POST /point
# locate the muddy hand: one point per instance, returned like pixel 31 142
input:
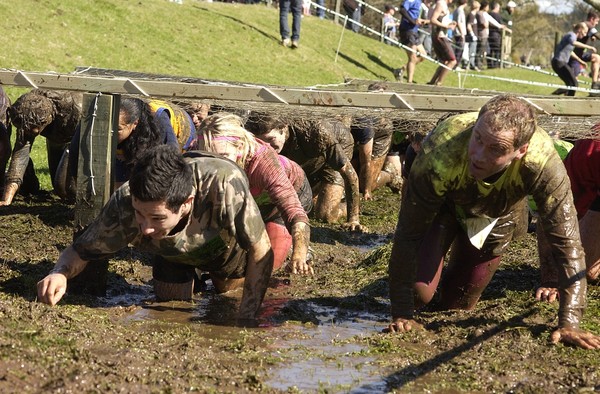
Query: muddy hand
pixel 576 337
pixel 302 267
pixel 547 294
pixel 355 226
pixel 402 325
pixel 52 288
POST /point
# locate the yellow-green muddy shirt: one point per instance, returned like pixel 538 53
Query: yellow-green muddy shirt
pixel 440 176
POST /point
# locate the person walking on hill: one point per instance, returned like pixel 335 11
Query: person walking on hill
pixel 409 37
pixel 284 8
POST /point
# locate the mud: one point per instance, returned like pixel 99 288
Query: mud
pixel 316 334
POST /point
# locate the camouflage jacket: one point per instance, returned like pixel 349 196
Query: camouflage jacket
pixel 224 215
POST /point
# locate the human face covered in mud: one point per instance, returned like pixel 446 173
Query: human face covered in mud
pixel 499 136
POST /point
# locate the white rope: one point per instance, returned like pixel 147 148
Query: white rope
pixel 91 144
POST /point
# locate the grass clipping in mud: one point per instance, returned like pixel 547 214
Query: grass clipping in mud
pixel 82 345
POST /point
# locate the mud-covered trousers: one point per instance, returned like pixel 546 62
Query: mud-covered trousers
pixel 469 270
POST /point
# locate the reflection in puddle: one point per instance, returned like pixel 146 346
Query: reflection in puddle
pixel 318 357
pixel 319 361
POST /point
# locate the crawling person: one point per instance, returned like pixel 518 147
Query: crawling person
pixel 278 185
pixel 51 114
pixel 583 167
pixel 372 138
pixel 190 212
pixel 143 125
pixel 5 131
pixel 323 148
pixel 466 192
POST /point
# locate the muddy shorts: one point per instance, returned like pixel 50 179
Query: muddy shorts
pixel 234 266
pixel 326 175
pixel 443 49
pixel 409 38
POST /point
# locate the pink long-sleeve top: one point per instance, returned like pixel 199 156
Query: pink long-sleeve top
pixel 271 183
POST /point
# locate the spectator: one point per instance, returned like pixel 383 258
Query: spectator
pixel 466 191
pixel 354 9
pixel 564 51
pixel 425 35
pixel 190 213
pixel 390 24
pixel 51 114
pixel 440 41
pixel 284 9
pixel 507 20
pixel 460 32
pixel 472 34
pixel 495 35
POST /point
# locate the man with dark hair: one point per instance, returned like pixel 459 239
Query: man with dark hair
pixel 409 37
pixel 466 190
pixel 192 213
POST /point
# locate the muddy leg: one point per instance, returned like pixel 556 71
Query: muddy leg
pixel 327 207
pixel 4 153
pixel 225 285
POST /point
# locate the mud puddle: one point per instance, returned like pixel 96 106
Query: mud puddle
pixel 327 356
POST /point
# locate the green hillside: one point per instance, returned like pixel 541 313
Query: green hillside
pixel 225 41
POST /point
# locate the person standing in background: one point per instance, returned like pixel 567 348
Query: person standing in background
pixel 284 8
pixel 472 34
pixel 460 32
pixel 507 20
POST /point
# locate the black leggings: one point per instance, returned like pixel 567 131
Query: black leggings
pixel 565 72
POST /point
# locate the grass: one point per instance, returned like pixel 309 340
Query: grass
pixel 223 41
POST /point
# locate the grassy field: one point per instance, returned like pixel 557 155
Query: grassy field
pixel 318 334
pixel 224 41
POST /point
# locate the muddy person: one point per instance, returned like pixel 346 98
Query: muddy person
pixel 192 213
pixel 5 131
pixel 143 124
pixel 583 167
pixel 51 114
pixel 466 192
pixel 278 185
pixel 323 148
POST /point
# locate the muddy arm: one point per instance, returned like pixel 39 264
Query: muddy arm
pixel 52 288
pixel 16 170
pixel 300 240
pixel 258 272
pixel 352 195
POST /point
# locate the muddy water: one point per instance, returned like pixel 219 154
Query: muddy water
pixel 319 358
pixel 313 356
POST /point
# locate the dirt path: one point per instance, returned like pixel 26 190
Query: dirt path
pixel 317 334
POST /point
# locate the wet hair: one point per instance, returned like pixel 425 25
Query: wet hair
pixel 146 134
pixel 377 86
pixel 509 113
pixel 231 127
pixel 161 174
pixel 32 109
pixel 260 123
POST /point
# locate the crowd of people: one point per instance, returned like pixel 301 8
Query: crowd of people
pixel 211 193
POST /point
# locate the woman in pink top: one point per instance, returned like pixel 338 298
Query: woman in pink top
pixel 278 190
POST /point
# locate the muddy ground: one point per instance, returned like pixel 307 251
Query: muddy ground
pixel 316 334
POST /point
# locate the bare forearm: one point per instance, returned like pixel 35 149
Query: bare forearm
pixel 258 272
pixel 69 263
pixel 352 192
